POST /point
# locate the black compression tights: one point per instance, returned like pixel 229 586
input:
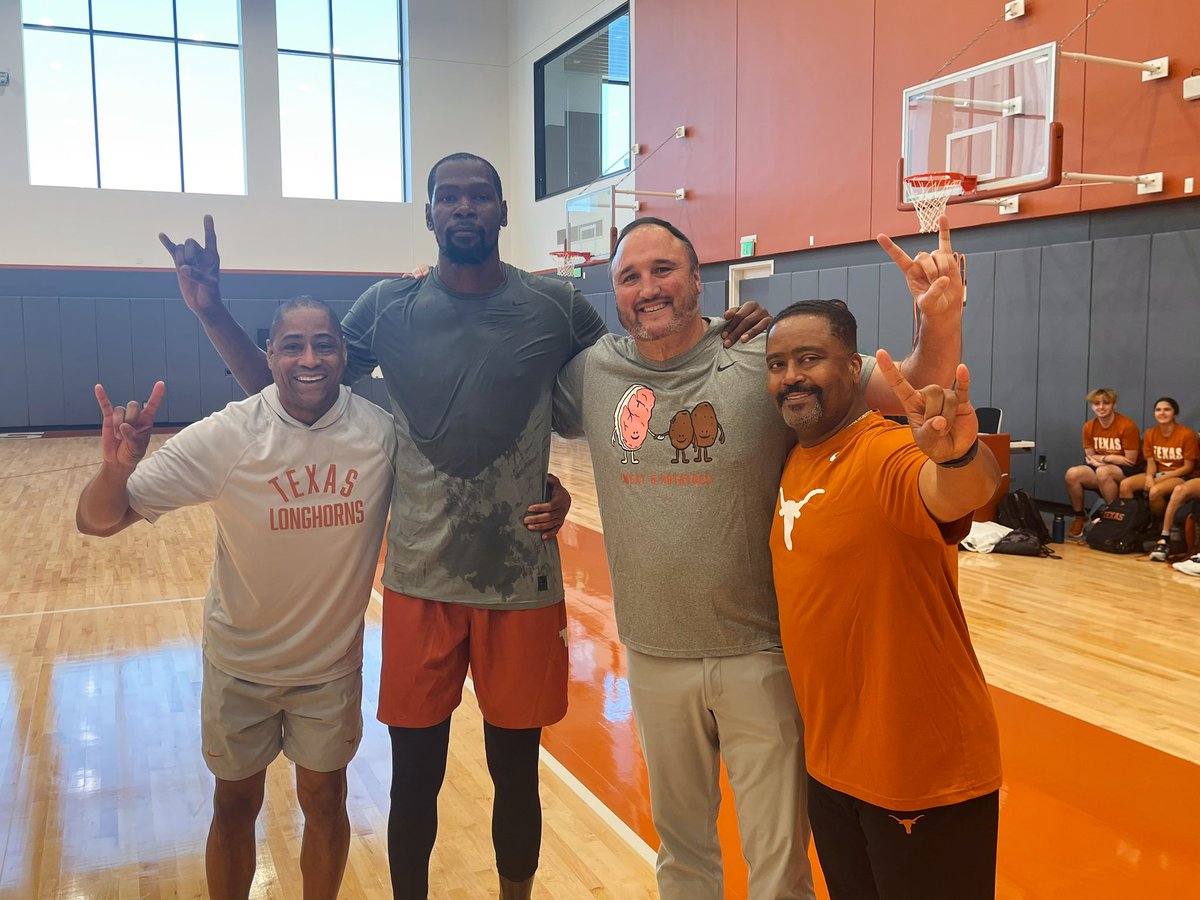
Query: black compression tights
pixel 418 768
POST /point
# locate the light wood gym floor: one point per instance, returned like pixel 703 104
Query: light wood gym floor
pixel 1094 662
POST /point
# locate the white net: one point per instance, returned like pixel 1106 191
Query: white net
pixel 929 194
pixel 567 263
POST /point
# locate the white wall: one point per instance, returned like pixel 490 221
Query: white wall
pixel 535 27
pixel 457 86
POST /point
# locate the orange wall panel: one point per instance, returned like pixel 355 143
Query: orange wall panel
pixel 794 108
pixel 684 74
pixel 804 122
pixel 1132 127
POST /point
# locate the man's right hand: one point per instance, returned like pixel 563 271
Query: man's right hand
pixel 198 269
pixel 125 433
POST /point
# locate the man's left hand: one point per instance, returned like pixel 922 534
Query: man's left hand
pixel 744 322
pixel 548 517
pixel 943 421
pixel 934 279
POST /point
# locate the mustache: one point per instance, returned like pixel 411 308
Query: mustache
pixel 796 389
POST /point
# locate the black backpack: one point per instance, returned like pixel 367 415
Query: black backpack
pixel 1120 526
pixel 1023 542
pixel 1017 510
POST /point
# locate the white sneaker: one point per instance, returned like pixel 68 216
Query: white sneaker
pixel 1189 566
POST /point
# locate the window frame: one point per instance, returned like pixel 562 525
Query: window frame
pixel 91 32
pixel 539 105
pixel 333 57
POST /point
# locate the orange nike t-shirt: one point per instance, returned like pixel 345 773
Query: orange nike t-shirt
pixel 1169 453
pixel 1119 436
pixel 896 711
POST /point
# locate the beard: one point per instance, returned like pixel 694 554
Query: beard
pixel 682 314
pixel 472 254
pixel 803 420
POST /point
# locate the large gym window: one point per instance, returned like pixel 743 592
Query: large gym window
pixel 135 94
pixel 341 121
pixel 581 108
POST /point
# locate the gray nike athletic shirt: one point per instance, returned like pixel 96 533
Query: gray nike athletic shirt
pixel 470 379
pixel 687 454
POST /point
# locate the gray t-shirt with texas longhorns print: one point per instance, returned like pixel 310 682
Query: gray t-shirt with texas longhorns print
pixel 687 454
pixel 470 379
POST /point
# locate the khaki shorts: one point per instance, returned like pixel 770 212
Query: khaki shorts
pixel 244 725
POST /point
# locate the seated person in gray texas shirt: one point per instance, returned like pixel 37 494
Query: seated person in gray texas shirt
pixel 687 448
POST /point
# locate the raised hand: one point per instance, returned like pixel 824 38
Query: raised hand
pixel 125 432
pixel 548 517
pixel 944 424
pixel 934 279
pixel 745 322
pixel 197 268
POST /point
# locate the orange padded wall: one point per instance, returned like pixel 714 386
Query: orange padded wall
pixel 687 48
pixel 800 66
pixel 1131 127
pixel 794 108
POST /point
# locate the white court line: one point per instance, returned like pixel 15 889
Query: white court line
pixel 106 608
pixel 610 818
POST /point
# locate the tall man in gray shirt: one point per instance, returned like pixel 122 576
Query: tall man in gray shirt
pixel 687 448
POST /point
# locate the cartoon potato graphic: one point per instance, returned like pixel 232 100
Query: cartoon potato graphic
pixel 631 421
pixel 708 430
pixel 681 434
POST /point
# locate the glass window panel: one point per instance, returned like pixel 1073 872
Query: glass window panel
pixel 614 138
pixel 136 114
pixel 305 126
pixel 58 109
pixel 583 93
pixel 63 13
pixel 302 25
pixel 210 97
pixel 369 138
pixel 134 16
pixel 208 20
pixel 366 28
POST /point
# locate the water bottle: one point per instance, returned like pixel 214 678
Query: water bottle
pixel 1058 531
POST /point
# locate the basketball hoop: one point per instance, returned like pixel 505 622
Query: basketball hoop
pixel 566 261
pixel 931 191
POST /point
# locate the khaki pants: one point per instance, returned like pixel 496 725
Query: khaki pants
pixel 690 713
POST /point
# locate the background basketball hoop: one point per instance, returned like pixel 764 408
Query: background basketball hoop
pixel 567 261
pixel 929 193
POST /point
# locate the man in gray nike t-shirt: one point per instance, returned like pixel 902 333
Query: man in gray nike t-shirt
pixel 687 448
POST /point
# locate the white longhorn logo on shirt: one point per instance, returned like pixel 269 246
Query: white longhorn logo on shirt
pixel 790 510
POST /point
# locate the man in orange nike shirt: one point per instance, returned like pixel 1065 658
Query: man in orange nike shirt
pixel 900 738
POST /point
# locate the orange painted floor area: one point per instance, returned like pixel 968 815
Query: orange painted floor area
pixel 1083 812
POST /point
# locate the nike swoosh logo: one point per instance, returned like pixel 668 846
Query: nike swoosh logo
pixel 724 367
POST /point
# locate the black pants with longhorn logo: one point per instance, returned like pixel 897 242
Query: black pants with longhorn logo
pixel 871 853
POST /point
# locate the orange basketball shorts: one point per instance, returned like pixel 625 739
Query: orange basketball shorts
pixel 517 658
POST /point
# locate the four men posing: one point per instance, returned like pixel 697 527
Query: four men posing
pixel 470 354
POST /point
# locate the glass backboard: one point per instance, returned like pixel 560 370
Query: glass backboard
pixel 995 121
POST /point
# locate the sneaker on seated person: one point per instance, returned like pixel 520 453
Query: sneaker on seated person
pixel 1189 566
